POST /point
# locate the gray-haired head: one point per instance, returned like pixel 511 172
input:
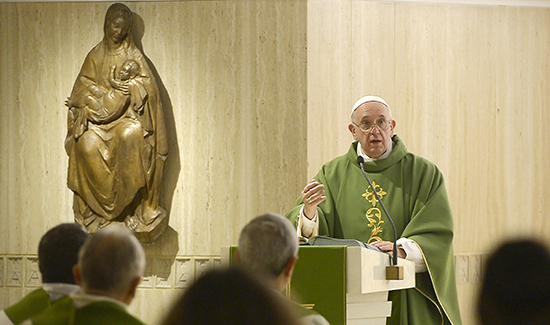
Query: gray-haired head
pixel 110 260
pixel 266 245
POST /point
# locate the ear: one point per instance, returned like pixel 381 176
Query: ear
pixel 289 268
pixel 392 127
pixel 77 275
pixel 132 290
pixel 353 131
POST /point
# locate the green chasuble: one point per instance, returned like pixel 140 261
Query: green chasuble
pixel 98 312
pixel 413 191
pixel 32 304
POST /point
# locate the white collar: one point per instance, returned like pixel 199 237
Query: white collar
pixel 58 290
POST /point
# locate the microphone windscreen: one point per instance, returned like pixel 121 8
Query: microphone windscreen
pixel 360 160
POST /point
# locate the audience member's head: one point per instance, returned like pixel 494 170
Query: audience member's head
pixel 111 263
pixel 516 285
pixel 268 247
pixel 58 252
pixel 230 297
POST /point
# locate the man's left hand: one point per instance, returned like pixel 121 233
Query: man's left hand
pixel 387 246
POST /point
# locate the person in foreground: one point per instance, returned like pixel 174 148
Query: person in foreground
pixel 230 297
pixel 57 254
pixel 110 265
pixel 339 203
pixel 268 248
pixel 516 285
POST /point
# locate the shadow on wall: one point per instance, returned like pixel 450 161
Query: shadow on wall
pixel 166 245
pixel 172 164
pixel 161 256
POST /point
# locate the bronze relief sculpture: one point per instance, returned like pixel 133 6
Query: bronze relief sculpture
pixel 116 139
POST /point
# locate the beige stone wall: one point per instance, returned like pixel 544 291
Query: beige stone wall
pixel 259 96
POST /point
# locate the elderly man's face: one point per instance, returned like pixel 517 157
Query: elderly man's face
pixel 375 141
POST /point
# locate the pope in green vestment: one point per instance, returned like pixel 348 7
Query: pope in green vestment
pixel 413 191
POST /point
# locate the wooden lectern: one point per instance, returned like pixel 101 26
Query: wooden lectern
pixel 345 284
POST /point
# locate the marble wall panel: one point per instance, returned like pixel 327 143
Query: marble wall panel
pixel 329 80
pixel 148 278
pixel 185 272
pixel 32 273
pixel 14 272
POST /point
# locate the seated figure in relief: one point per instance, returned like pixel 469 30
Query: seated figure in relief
pixel 116 135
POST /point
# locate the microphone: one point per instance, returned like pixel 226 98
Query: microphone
pixel 393 272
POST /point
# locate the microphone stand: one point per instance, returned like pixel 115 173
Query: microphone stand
pixel 394 271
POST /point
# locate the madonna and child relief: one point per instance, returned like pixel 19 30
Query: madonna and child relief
pixel 116 135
